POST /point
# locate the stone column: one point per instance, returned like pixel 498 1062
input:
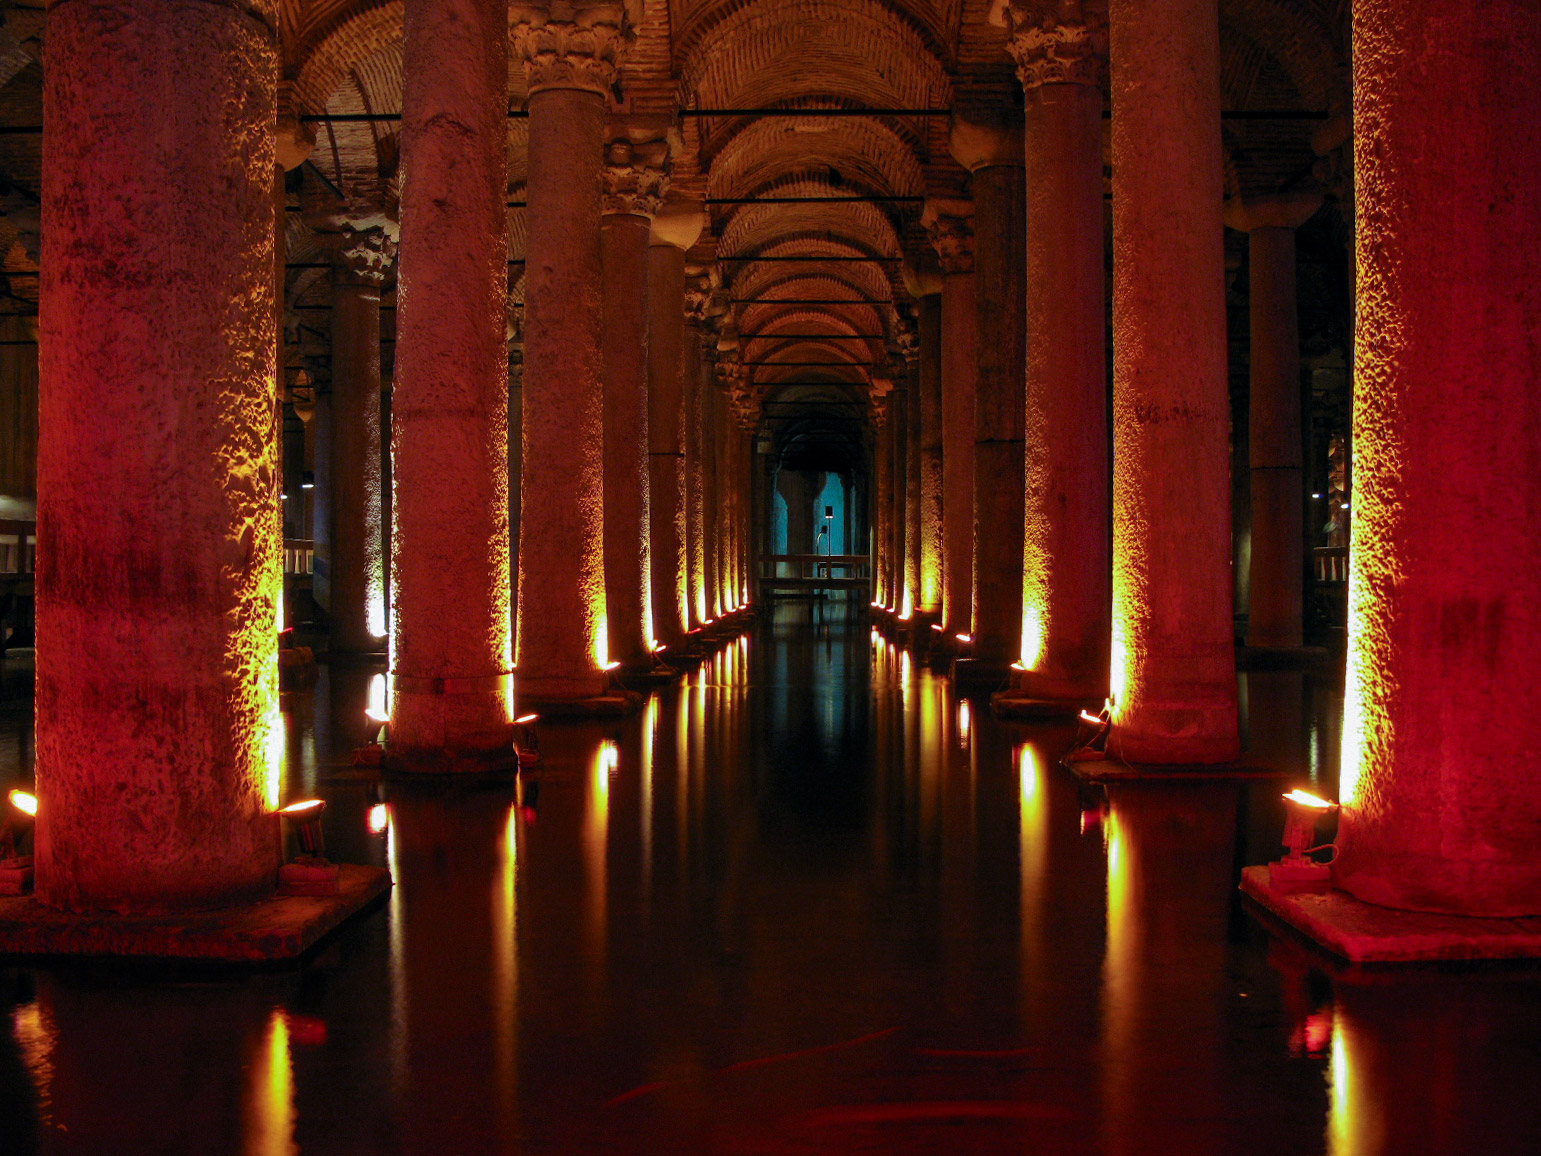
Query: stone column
pixel 950 226
pixel 1065 564
pixel 912 512
pixel 451 649
pixel 930 457
pixel 991 149
pixel 635 176
pixel 1441 805
pixel 570 64
pixel 899 425
pixel 1173 666
pixel 709 401
pixel 695 362
pixel 673 233
pixel 1276 578
pixel 883 496
pixel 357 536
pixel 160 544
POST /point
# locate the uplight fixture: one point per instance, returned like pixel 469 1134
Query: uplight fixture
pixel 309 873
pixel 16 868
pixel 527 741
pixel 1297 870
pixel 1091 746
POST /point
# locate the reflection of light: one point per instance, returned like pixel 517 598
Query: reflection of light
pixel 963 721
pixel 24 801
pixel 378 707
pixel 1355 1123
pixel 1306 799
pixel 904 667
pixel 1033 851
pixel 609 756
pixel 596 835
pixel 379 819
pixel 964 637
pixel 270 1110
pixel 505 945
pixel 649 737
pixel 34 1033
pixel 936 626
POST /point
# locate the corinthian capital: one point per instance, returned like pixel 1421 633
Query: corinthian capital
pixel 636 177
pixel 571 45
pixel 950 226
pixel 1056 41
pixel 361 234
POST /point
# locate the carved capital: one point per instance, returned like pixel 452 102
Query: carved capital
pixel 950 227
pixel 361 234
pixel 580 46
pixel 1056 42
pixel 636 177
pixel 293 139
pixel 365 257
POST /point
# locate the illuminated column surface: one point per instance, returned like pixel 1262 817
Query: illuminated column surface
pixel 929 459
pixel 570 70
pixel 950 226
pixel 1065 564
pixel 1276 579
pixel 160 548
pixel 992 151
pixel 1441 802
pixel 899 442
pixel 1173 663
pixel 912 511
pixel 695 368
pixel 364 257
pixel 883 477
pixel 709 401
pixel 673 232
pixel 450 646
pixel 635 177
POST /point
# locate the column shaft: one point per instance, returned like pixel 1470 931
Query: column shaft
pixel 666 443
pixel 357 535
pixel 929 464
pixel 695 368
pixel 1173 673
pixel 710 493
pixel 1441 804
pixel 160 541
pixel 899 419
pixel 882 524
pixel 451 648
pixel 960 327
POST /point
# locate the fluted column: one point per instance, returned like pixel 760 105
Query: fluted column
pixel 451 650
pixel 1441 802
pixel 950 227
pixel 991 149
pixel 160 544
pixel 571 57
pixel 673 233
pixel 356 533
pixel 1173 667
pixel 1276 578
pixel 635 179
pixel 1065 565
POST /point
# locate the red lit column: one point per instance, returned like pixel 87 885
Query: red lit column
pixel 1276 577
pixel 709 402
pixel 992 151
pixel 450 646
pixel 1441 802
pixel 160 547
pixel 570 65
pixel 899 441
pixel 883 469
pixel 1173 665
pixel 929 466
pixel 950 226
pixel 673 233
pixel 912 487
pixel 1065 564
pixel 635 177
pixel 695 362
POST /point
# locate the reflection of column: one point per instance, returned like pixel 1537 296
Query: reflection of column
pixel 950 225
pixel 929 513
pixel 357 535
pixel 992 152
pixel 570 65
pixel 451 651
pixel 635 177
pixel 1065 568
pixel 1444 615
pixel 1173 658
pixel 673 233
pixel 161 566
pixel 1276 575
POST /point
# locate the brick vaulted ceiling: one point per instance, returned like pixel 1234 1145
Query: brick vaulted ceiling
pixel 345 57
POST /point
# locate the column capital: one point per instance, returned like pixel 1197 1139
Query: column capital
pixel 986 136
pixel 1056 41
pixel 949 225
pixel 293 138
pixel 1282 211
pixel 636 177
pixel 568 45
pixel 361 234
pixel 678 225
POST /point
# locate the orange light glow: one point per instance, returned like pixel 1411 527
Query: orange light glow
pixel 378 707
pixel 964 637
pixel 612 665
pixel 379 819
pixel 270 1098
pixel 963 721
pixel 24 801
pixel 303 807
pixel 1018 666
pixel 1087 716
pixel 1306 799
pixel 526 718
pixel 936 626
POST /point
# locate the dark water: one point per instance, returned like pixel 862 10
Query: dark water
pixel 806 902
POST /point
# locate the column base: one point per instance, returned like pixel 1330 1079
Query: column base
pixel 551 701
pixel 647 672
pixel 1118 771
pixel 1017 703
pixel 281 927
pixel 1364 933
pixel 430 761
pixel 980 672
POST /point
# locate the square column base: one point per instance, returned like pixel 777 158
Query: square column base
pixel 1364 933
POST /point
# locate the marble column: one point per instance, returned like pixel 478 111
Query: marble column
pixel 673 232
pixel 1441 805
pixel 160 559
pixel 950 227
pixel 990 147
pixel 1276 574
pixel 363 258
pixel 450 646
pixel 1173 666
pixel 1066 597
pixel 929 461
pixel 635 179
pixel 571 58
